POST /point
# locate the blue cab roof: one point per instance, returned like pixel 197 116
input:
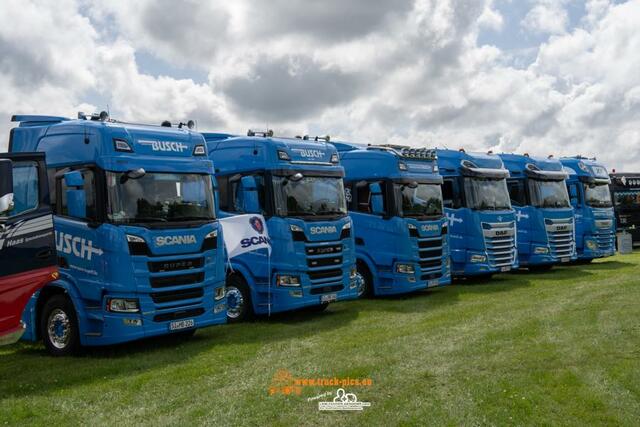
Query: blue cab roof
pixel 451 161
pixel 249 153
pixel 517 164
pixel 587 169
pixel 363 161
pixel 77 141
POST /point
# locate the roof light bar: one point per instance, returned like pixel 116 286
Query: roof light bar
pixel 265 134
pixel 325 138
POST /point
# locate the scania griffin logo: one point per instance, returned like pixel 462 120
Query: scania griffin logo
pixel 175 240
pixel 256 224
pixel 323 230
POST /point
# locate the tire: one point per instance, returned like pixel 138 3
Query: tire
pixel 59 327
pixel 239 305
pixel 367 280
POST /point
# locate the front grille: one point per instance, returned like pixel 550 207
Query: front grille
pixel 325 289
pixel 560 237
pixel 324 250
pixel 179 295
pixel 324 262
pixel 606 240
pixel 181 280
pixel 335 273
pixel 177 315
pixel 500 243
pixel 175 265
pixel 430 252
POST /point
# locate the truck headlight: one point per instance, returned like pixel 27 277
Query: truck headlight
pixel 592 245
pixel 478 258
pixel 405 268
pixel 541 250
pixel 286 280
pixel 123 305
pixel 220 293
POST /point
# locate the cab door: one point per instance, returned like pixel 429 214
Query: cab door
pixel 27 245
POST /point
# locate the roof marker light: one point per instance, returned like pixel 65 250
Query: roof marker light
pixel 199 150
pixel 283 155
pixel 122 145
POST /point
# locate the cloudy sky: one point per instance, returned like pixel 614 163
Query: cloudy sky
pixel 541 76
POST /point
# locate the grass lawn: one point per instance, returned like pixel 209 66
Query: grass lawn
pixel 561 347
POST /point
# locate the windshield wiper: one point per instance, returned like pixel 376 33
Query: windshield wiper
pixel 147 219
pixel 330 213
pixel 191 218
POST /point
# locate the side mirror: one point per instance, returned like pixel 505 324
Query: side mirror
pixel 6 186
pixel 248 195
pixel 76 196
pixel 377 202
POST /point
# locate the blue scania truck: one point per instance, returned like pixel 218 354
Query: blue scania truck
pixel 297 185
pixel 140 251
pixel 482 223
pixel 545 224
pixel 394 197
pixel 590 196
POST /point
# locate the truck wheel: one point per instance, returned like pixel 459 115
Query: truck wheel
pixel 59 326
pixel 366 289
pixel 239 307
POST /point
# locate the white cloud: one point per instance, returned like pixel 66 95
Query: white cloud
pixel 409 73
pixel 547 17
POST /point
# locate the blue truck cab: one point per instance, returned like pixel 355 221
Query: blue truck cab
pixel 482 223
pixel 297 185
pixel 545 224
pixel 590 196
pixel 394 197
pixel 140 251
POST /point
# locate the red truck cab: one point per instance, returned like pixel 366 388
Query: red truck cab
pixel 27 241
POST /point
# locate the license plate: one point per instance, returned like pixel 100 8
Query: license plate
pixel 432 283
pixel 565 259
pixel 505 269
pixel 182 324
pixel 328 298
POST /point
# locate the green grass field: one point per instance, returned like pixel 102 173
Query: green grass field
pixel 561 347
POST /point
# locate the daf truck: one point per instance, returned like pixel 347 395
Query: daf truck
pixel 588 186
pixel 544 216
pixel 482 223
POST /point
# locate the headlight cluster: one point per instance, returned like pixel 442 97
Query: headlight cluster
pixel 285 280
pixel 405 268
pixel 541 250
pixel 478 258
pixel 123 305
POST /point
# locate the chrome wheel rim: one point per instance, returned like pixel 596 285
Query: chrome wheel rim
pixel 59 328
pixel 235 302
pixel 362 285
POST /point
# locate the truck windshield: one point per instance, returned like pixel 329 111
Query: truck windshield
pixel 597 195
pixel 425 200
pixel 159 197
pixel 309 196
pixel 487 194
pixel 548 194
